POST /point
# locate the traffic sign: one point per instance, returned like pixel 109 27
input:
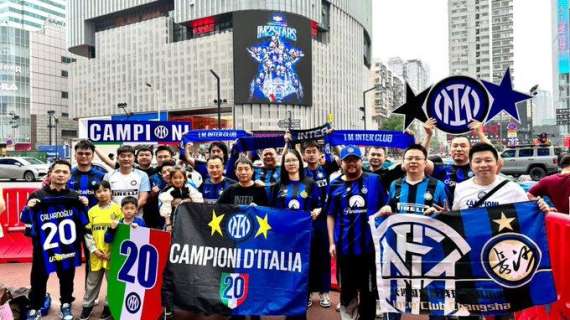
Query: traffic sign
pixel 289 124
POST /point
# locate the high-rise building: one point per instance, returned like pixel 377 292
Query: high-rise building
pixel 561 57
pixel 157 54
pixel 50 65
pixel 34 73
pixel 481 38
pixel 542 113
pixel 31 14
pixel 416 74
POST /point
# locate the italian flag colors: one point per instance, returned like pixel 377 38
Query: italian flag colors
pixel 138 258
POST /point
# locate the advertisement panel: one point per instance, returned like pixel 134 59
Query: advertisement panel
pixel 272 58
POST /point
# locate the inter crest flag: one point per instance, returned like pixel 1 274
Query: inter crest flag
pixel 138 259
pixel 482 261
pixel 239 260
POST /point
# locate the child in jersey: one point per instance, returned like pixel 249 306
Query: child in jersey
pixel 100 218
pixel 179 192
pixel 129 210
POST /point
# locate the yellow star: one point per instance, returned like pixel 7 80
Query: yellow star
pixel 215 223
pixel 263 226
pixel 504 222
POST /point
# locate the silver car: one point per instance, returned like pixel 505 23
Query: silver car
pixel 29 169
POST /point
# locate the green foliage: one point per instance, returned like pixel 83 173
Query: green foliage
pixel 394 122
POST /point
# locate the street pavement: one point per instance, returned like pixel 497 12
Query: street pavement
pixel 18 275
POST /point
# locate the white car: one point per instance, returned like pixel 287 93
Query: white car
pixel 29 169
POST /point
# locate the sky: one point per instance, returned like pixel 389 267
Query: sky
pixel 418 29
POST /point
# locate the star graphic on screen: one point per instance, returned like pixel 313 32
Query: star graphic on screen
pixel 215 223
pixel 412 109
pixel 504 222
pixel 504 97
pixel 264 226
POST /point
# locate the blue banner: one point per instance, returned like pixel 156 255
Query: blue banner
pixel 483 261
pixel 136 131
pixel 239 260
pixel 389 139
pixel 213 135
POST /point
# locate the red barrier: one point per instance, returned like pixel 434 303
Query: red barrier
pixel 14 246
pixel 558 229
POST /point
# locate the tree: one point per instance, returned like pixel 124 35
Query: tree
pixel 394 122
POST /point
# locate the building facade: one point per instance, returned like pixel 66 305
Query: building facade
pixel 561 57
pixel 49 80
pixel 31 14
pixel 481 38
pixel 157 54
pixel 14 86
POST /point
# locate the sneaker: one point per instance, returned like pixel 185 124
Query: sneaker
pixel 325 300
pixel 85 313
pixel 65 312
pixel 33 315
pixel 106 314
pixel 310 302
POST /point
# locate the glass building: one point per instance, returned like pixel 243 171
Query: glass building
pixel 14 85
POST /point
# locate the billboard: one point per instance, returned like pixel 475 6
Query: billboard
pixel 272 58
pixel 563 37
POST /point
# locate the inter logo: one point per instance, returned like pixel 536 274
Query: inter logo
pixel 511 259
pixel 240 227
pixel 133 302
pixel 161 132
pixel 457 101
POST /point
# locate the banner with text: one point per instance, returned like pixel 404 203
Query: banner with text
pixel 242 260
pixel 482 261
pixel 388 139
pixel 138 259
pixel 99 131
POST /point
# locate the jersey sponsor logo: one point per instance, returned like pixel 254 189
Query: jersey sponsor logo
pixel 356 205
pixel 457 101
pixel 425 236
pixel 511 259
pixel 234 289
pixel 125 193
pixel 294 204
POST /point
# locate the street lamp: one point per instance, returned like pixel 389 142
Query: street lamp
pixel 363 109
pixel 50 125
pixel 533 92
pixel 157 98
pixel 123 105
pixel 219 101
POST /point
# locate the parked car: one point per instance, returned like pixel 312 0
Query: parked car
pixel 536 161
pixel 29 169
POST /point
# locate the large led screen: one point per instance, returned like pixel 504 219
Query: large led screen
pixel 272 58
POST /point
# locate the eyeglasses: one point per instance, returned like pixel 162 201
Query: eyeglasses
pixel 414 159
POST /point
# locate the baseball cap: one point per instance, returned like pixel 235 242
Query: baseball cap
pixel 350 150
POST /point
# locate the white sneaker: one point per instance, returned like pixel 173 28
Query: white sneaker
pixel 325 301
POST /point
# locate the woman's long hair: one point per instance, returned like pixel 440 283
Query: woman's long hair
pixel 284 180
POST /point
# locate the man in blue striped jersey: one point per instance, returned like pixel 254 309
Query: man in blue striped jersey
pixel 354 197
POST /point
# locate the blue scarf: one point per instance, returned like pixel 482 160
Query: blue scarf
pixel 310 134
pixel 390 139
